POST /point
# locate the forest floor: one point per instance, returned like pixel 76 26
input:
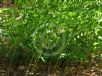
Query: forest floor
pixel 88 68
pixel 74 69
pixel 92 68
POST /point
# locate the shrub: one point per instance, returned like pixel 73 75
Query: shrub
pixel 52 29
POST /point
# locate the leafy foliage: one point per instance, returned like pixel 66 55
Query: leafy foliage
pixel 51 29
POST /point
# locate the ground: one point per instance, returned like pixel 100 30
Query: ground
pixel 93 68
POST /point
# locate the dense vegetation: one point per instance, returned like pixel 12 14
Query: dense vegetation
pixel 51 30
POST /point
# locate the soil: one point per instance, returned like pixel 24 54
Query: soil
pixel 93 68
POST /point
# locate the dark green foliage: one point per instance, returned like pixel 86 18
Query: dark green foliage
pixel 52 29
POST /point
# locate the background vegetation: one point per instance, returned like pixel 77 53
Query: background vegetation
pixel 50 30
